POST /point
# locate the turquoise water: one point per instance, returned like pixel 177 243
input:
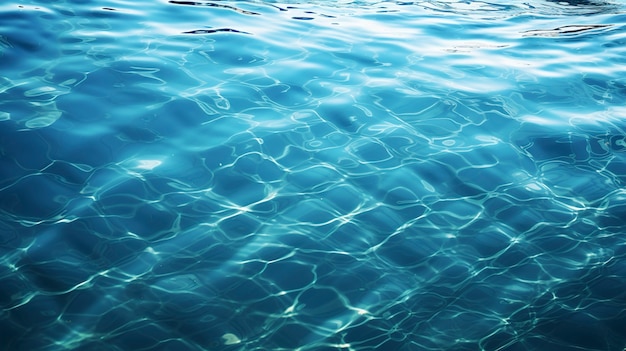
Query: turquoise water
pixel 345 175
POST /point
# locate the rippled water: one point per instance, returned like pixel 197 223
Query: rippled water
pixel 345 175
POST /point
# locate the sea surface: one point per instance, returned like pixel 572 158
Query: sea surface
pixel 312 175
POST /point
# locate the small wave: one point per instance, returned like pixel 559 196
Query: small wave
pixel 569 30
pixel 212 4
pixel 216 30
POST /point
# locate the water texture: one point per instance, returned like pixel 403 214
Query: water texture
pixel 345 175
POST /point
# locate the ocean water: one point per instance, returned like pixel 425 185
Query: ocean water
pixel 312 175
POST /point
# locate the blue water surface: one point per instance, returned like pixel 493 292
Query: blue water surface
pixel 321 175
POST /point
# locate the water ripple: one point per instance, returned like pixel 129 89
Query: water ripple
pixel 362 175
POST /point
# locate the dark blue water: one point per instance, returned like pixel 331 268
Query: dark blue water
pixel 345 175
